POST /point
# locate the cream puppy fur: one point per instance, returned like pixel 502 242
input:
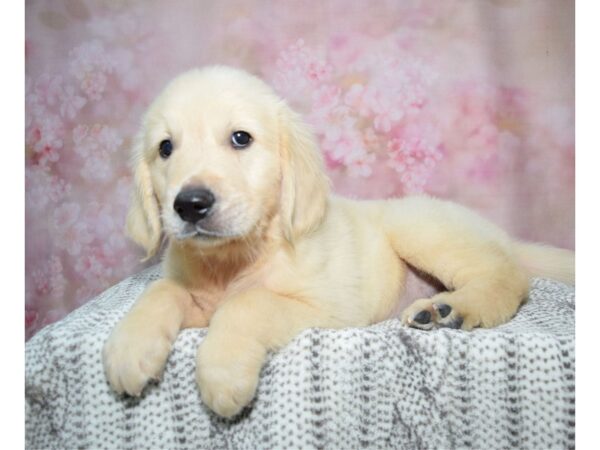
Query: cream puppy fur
pixel 266 251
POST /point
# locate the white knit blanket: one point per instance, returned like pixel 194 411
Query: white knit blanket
pixel 385 386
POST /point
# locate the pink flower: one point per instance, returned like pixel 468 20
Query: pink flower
pixel 387 116
pixel 344 145
pixel 302 59
pixel 360 99
pixel 46 155
pixel 90 63
pixel 93 85
pixel 48 279
pixel 94 144
pixel 97 168
pixel 48 131
pixel 45 136
pixel 96 141
pixel 71 103
pixel 49 88
pixel 326 108
pixel 88 57
pixel 42 189
pixel 299 70
pixel 71 232
pixel 413 154
pixel 94 267
pixel 331 162
pixel 35 104
pixel 109 139
pixel 66 214
pixel 360 164
pixel 341 140
pixel 102 218
pixel 369 100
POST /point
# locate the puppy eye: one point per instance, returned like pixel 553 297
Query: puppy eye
pixel 240 139
pixel 165 148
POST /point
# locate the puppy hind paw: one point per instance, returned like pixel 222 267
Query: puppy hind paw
pixel 427 315
pixel 447 317
pixel 422 320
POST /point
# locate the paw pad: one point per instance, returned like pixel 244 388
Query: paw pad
pixel 437 315
pixel 443 309
pixel 422 317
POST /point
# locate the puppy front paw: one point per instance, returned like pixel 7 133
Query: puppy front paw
pixel 134 354
pixel 228 376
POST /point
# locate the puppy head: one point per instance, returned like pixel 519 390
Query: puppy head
pixel 220 158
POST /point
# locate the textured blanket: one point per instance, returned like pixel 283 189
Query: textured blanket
pixel 385 386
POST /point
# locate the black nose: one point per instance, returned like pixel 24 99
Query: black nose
pixel 193 204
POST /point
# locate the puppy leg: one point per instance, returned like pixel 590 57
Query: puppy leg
pixel 486 303
pixel 138 347
pixel 469 255
pixel 241 332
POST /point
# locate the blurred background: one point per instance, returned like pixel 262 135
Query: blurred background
pixel 470 100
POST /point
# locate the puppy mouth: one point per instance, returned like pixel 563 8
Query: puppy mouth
pixel 213 229
pixel 197 232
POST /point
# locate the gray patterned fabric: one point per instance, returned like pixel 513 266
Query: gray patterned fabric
pixel 385 386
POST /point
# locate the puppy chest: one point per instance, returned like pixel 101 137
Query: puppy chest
pixel 208 299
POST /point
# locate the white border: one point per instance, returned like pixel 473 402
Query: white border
pixel 12 261
pixel 587 220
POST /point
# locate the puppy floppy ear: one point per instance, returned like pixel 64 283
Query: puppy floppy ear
pixel 143 219
pixel 305 187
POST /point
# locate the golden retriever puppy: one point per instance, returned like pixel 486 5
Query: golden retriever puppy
pixel 259 250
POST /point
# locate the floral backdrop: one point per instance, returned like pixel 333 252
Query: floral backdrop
pixel 471 100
